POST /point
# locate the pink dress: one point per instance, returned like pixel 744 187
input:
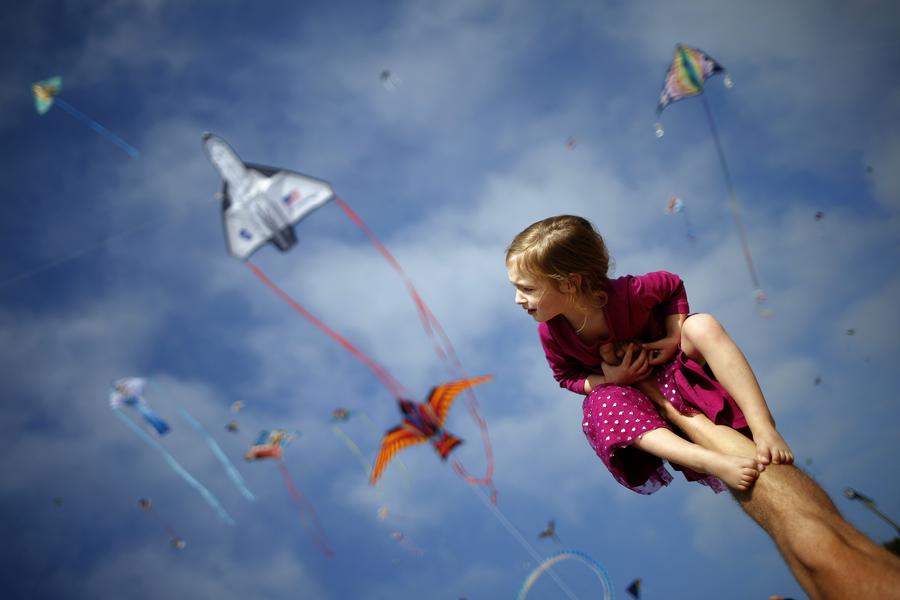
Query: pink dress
pixel 616 416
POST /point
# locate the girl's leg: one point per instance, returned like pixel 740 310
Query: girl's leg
pixel 704 340
pixel 736 471
pixel 829 557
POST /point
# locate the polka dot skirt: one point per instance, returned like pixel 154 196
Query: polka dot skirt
pixel 617 416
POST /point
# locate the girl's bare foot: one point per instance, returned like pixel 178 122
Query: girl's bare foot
pixel 736 471
pixel 771 448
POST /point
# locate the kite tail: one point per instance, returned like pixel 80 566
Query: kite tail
pixel 386 378
pixel 304 504
pixel 227 464
pixel 130 150
pixel 687 222
pixel 153 419
pixel 421 307
pixel 596 567
pixel 443 348
pixel 207 495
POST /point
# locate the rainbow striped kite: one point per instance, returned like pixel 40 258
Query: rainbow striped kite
pixel 688 72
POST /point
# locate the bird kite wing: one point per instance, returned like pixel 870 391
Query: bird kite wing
pixel 441 397
pixel 394 440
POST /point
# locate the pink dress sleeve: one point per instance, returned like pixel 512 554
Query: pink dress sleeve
pixel 568 371
pixel 662 289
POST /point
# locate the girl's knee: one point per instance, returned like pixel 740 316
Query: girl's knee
pixel 700 327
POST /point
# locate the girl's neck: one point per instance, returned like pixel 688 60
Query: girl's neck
pixel 590 324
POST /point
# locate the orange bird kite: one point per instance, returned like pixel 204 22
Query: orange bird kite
pixel 423 422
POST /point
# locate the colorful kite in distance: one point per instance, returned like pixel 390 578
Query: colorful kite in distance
pixel 596 567
pixel 129 391
pixel 340 414
pixel 549 532
pixel 232 426
pixel 676 206
pixel 423 422
pixel 571 143
pixel 236 406
pixel 634 589
pixel 46 94
pixel 268 445
pixel 685 78
pixel 262 204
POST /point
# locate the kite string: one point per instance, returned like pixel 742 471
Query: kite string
pixel 443 348
pixel 517 535
pixel 732 197
pixel 130 150
pixel 386 378
pixel 301 502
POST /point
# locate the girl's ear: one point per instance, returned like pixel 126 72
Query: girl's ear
pixel 571 284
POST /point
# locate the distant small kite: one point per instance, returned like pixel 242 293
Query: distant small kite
pixel 129 391
pixel 676 206
pixel 268 445
pixel 634 589
pixel 389 80
pixel 549 532
pixel 177 542
pixel 46 94
pixel 407 544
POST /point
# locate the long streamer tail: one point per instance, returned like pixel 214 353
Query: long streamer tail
pixel 230 469
pixel 443 348
pixel 307 512
pixel 130 150
pixel 596 567
pixel 386 378
pixel 207 495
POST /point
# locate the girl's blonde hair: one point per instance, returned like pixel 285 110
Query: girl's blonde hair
pixel 557 248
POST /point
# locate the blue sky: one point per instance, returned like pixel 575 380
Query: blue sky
pixel 114 267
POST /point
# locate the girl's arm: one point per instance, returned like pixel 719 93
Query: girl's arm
pixel 633 367
pixel 663 350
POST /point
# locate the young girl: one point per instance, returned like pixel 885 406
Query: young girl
pixel 559 269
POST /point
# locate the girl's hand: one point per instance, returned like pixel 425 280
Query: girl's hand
pixel 632 368
pixel 662 350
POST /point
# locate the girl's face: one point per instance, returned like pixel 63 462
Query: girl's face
pixel 538 296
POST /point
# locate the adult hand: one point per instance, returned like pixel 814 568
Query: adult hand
pixel 661 351
pixel 634 367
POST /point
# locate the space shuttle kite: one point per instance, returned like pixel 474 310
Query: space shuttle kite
pixel 262 204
